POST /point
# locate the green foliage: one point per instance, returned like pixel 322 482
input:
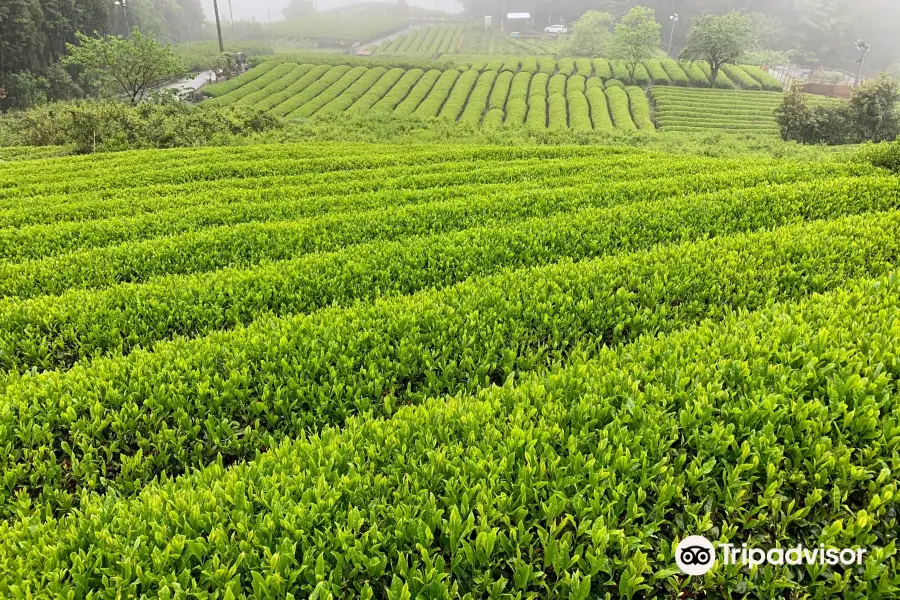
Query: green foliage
pixel 165 122
pixel 885 155
pixel 590 35
pixel 871 114
pixel 719 40
pixel 129 67
pixel 636 38
pixel 24 90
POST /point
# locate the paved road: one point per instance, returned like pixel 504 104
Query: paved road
pixel 362 47
pixel 191 84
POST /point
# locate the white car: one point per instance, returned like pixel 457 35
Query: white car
pixel 556 29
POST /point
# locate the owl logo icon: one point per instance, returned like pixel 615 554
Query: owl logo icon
pixel 695 555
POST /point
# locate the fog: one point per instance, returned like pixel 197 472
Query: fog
pixel 249 10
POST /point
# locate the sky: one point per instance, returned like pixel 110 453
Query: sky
pixel 247 10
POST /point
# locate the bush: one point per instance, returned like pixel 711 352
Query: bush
pixel 163 122
pixel 869 115
pixel 884 155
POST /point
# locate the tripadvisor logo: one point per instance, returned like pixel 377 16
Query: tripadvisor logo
pixel 696 555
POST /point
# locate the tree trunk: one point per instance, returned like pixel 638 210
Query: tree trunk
pixel 714 73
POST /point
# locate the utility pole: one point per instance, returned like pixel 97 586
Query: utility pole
pixel 864 50
pixel 674 19
pixel 231 16
pixel 502 15
pixel 218 25
pixel 271 30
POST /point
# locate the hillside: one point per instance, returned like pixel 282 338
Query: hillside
pixel 354 370
pixel 535 92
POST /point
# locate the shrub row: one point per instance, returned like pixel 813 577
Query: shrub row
pixel 583 67
pixel 325 193
pixel 307 78
pixel 260 88
pixel 618 108
pixel 432 104
pixel 386 93
pixel 602 68
pixel 557 84
pixel 478 100
pixel 693 74
pixel 557 112
pixel 500 91
pixel 55 331
pixel 566 66
pixel 529 65
pixel 640 108
pixel 767 82
pixel 282 376
pixel 332 92
pixel 739 76
pixel 376 504
pixel 599 109
pixel 546 64
pixel 493 118
pixel 456 100
pixel 315 88
pixel 657 74
pixel 418 93
pixel 579 112
pixel 218 90
pixel 418 476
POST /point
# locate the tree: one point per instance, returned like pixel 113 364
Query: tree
pixel 131 66
pixel 719 40
pixel 636 38
pixel 590 35
pixel 297 9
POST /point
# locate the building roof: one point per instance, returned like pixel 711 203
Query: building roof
pixel 518 15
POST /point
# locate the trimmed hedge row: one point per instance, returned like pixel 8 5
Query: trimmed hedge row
pixel 478 100
pixel 456 101
pixel 619 108
pixel 579 112
pixel 330 93
pixel 739 76
pixel 432 103
pixel 589 461
pixel 124 316
pixel 297 100
pixel 418 93
pixel 271 83
pixel 290 369
pixel 387 92
pixel 500 91
pixel 640 108
pixel 599 109
pixel 602 68
pixel 656 72
pixel 767 82
pixel 310 76
pixel 217 90
pixel 557 112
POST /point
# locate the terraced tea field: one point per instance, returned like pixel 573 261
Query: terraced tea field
pixel 682 109
pixel 499 92
pixel 459 38
pixel 376 371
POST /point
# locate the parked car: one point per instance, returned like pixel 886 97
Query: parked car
pixel 556 29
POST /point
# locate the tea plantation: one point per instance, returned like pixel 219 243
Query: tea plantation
pixel 444 371
pixel 537 92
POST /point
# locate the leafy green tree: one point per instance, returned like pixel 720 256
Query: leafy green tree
pixel 636 38
pixel 719 40
pixel 297 9
pixel 590 35
pixel 131 66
